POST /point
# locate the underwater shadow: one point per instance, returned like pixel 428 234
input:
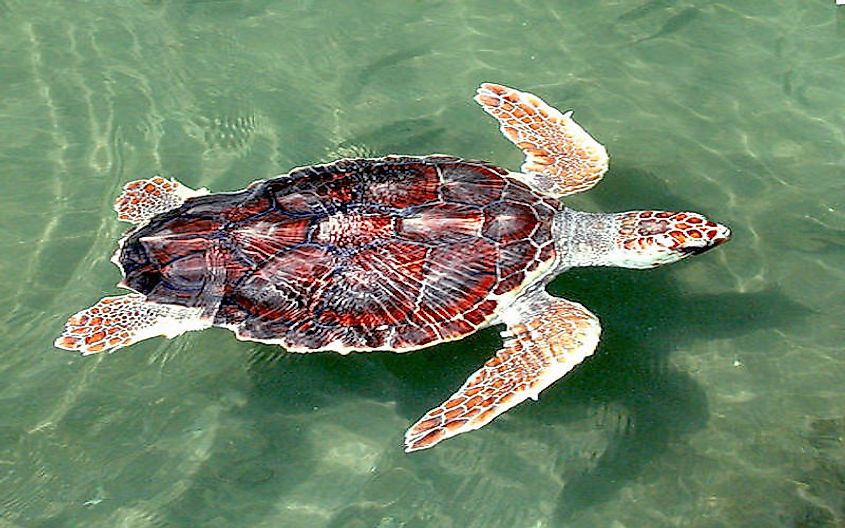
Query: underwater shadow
pixel 270 451
pixel 258 454
pixel 644 322
pixel 402 136
pixel 646 316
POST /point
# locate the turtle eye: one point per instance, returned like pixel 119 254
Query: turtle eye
pixel 695 234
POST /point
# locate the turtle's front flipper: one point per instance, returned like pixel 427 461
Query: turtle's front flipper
pixel 561 158
pixel 116 322
pixel 546 338
pixel 143 199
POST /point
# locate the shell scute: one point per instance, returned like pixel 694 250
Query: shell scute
pixel 511 282
pixel 513 256
pixel 402 186
pixel 441 221
pixel 255 204
pixel 474 185
pixel 393 253
pixel 508 221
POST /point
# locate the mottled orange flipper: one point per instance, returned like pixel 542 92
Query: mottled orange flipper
pixel 561 158
pixel 546 338
pixel 116 322
pixel 143 199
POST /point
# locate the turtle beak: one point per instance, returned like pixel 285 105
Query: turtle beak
pixel 722 235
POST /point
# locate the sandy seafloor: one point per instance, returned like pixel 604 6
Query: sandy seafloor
pixel 714 400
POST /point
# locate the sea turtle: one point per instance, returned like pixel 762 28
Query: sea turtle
pixel 395 254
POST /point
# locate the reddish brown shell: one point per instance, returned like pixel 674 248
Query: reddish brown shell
pixel 393 253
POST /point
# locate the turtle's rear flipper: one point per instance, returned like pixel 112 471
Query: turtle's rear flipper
pixel 116 322
pixel 561 158
pixel 546 338
pixel 143 199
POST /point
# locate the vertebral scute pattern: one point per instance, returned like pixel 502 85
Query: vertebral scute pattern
pixel 560 156
pixel 546 338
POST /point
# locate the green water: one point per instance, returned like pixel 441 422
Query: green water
pixel 715 398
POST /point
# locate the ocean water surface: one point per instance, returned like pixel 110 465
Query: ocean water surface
pixel 715 398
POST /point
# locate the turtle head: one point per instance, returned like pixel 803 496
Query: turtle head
pixel 647 239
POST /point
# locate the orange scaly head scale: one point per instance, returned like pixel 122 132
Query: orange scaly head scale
pixel 648 239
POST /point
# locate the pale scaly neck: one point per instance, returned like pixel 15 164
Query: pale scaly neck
pixel 634 239
pixel 586 239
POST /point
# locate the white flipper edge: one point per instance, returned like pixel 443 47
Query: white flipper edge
pixel 546 338
pixel 143 199
pixel 561 158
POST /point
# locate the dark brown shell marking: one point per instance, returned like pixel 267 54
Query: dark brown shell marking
pixel 391 253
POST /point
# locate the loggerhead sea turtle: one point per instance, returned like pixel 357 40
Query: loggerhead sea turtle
pixel 395 254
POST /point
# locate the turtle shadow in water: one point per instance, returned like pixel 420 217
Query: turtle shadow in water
pixel 645 317
pixel 404 136
pixel 644 322
pixel 257 455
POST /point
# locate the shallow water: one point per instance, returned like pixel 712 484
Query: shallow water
pixel 714 399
